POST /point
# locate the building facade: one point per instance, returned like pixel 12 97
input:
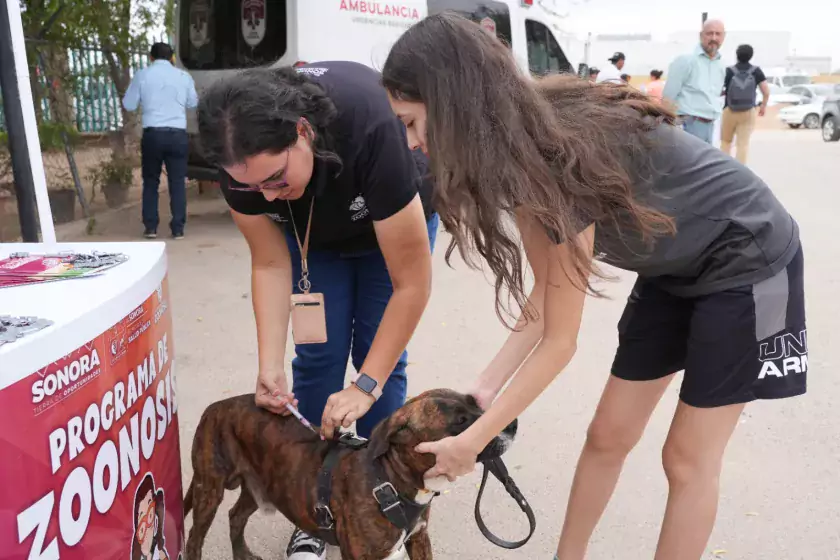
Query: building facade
pixel 646 52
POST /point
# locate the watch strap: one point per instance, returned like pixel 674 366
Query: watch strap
pixel 377 390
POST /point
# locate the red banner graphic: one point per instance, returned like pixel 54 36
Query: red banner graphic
pixel 89 449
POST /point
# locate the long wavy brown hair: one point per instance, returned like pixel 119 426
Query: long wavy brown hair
pixel 560 151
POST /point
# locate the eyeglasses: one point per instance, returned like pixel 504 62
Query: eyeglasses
pixel 270 185
pixel 146 521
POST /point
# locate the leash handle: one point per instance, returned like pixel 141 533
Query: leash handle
pixel 499 470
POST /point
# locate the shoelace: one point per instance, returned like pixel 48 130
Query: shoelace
pixel 303 540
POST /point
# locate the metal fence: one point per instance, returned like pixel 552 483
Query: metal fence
pixel 93 96
pixel 96 102
pixel 85 145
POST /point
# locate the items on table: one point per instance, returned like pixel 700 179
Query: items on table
pixel 28 268
pixel 13 328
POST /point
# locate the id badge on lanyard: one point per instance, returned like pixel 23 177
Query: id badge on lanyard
pixel 309 318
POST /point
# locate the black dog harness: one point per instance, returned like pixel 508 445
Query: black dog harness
pixel 403 513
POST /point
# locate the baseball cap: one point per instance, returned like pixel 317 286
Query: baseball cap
pixel 593 70
pixel 616 57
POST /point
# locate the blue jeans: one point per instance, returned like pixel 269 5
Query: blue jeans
pixel 164 146
pixel 701 129
pixel 356 288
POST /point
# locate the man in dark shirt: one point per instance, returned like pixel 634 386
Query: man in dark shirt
pixel 739 111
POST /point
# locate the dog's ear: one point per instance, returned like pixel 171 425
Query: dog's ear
pixel 394 430
pixel 378 442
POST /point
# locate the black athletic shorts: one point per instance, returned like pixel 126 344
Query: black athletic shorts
pixel 735 346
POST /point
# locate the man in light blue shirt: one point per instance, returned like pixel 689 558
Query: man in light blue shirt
pixel 165 92
pixel 695 83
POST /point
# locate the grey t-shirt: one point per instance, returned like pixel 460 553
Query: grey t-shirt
pixel 731 229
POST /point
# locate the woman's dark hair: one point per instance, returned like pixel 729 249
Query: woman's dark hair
pixel 656 74
pixel 148 485
pixel 744 53
pixel 258 110
pixel 556 153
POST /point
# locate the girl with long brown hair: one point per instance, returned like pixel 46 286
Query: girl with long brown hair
pixel 570 170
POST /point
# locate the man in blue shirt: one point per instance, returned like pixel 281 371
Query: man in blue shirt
pixel 695 83
pixel 165 92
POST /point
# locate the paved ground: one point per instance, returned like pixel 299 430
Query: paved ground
pixel 779 489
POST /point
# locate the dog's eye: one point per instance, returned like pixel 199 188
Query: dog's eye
pixel 462 420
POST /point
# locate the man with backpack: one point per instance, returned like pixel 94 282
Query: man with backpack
pixel 739 90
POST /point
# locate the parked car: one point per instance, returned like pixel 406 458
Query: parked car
pixel 784 79
pixel 807 112
pixel 780 96
pixel 830 119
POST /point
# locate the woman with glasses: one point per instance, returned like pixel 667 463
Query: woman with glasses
pixel 332 203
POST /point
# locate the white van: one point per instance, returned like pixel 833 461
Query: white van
pixel 781 79
pixel 216 37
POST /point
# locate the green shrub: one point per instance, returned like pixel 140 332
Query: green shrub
pixel 112 172
pixel 50 136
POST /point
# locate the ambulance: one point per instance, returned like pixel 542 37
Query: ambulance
pixel 217 37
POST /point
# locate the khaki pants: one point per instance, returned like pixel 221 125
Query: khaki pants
pixel 738 124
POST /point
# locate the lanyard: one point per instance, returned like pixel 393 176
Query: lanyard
pixel 303 284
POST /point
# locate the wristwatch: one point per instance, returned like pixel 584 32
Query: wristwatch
pixel 367 384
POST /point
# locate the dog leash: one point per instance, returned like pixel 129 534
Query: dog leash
pixel 499 470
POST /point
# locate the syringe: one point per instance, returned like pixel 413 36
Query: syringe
pixel 300 417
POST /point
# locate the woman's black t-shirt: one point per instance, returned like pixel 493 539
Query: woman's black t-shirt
pixel 379 175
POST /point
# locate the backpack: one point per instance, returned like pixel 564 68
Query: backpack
pixel 740 95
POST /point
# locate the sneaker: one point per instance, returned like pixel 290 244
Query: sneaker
pixel 150 234
pixel 179 235
pixel 305 547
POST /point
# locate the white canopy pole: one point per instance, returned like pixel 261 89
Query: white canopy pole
pixel 30 123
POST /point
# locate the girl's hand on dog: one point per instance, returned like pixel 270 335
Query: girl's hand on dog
pixel 484 396
pixel 272 392
pixel 454 457
pixel 344 408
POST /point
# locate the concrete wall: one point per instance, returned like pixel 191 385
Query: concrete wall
pixel 811 64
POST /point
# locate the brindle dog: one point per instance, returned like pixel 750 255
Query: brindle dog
pixel 275 461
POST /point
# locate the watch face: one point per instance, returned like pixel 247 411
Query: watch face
pixel 366 383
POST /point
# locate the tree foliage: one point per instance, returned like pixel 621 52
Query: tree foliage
pixel 124 25
pixel 118 28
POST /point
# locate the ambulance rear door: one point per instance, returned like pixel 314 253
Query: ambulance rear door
pixel 215 38
pixel 355 30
